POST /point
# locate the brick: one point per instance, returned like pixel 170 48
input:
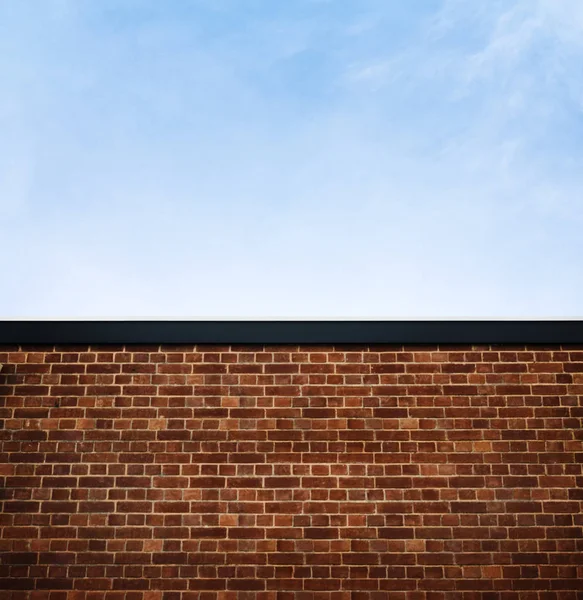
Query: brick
pixel 396 533
pixel 394 482
pixel 208 532
pixel 246 533
pixel 282 482
pixel 321 533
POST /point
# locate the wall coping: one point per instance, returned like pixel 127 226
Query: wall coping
pixel 291 331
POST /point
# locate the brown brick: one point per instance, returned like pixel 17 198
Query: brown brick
pixel 321 533
pixel 282 482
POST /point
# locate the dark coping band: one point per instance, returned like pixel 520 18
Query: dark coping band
pixel 292 332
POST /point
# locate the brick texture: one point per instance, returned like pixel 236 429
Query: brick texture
pixel 227 472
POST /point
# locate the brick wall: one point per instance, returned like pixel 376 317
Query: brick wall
pixel 175 473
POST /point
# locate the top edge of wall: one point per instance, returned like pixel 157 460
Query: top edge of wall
pixel 292 331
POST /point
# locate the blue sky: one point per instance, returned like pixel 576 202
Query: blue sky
pixel 306 158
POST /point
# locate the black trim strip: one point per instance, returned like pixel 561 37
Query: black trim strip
pixel 292 332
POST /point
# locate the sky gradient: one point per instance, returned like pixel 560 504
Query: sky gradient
pixel 306 158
